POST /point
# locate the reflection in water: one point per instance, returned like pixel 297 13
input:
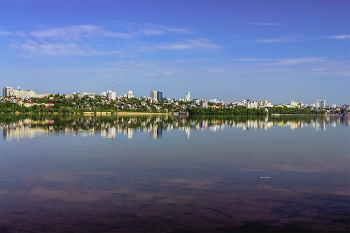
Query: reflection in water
pixel 213 182
pixel 25 126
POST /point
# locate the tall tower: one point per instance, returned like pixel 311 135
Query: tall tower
pixel 111 95
pixel 188 96
pixel 159 95
pixel 153 95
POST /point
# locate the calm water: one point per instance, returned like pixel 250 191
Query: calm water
pixel 216 174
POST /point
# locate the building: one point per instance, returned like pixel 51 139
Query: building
pixel 111 95
pixel 293 103
pixel 18 93
pixel 159 95
pixel 188 96
pixel 320 104
pixel 130 94
pixel 346 106
pixel 251 104
pixel 6 91
pixel 203 103
pixel 153 95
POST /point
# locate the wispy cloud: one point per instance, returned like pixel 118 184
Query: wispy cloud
pixel 286 61
pixel 318 70
pixel 339 37
pixel 188 44
pixel 293 61
pixel 78 39
pixel 154 29
pixel 284 39
pixel 251 59
pixel 78 31
pixel 59 49
pixel 75 32
pixel 5 33
pixel 264 24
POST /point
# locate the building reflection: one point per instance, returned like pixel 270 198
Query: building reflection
pixel 108 127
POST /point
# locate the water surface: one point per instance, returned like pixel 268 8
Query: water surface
pixel 199 174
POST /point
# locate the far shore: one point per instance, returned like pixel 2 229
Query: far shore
pixel 141 113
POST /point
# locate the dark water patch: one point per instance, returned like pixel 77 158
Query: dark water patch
pixel 17 212
pixel 221 212
pixel 6 229
pixel 288 212
pixel 255 226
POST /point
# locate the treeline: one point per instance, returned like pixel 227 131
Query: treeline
pixel 65 107
pixel 251 111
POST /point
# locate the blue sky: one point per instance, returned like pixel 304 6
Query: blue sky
pixel 274 50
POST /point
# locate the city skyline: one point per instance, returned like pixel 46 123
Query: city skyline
pixel 230 50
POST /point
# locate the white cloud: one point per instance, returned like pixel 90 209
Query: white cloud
pixel 252 59
pixel 284 61
pixel 293 61
pixel 78 40
pixel 5 33
pixel 318 70
pixel 75 32
pixel 264 24
pixel 339 37
pixel 154 29
pixel 59 49
pixel 189 44
pixel 284 39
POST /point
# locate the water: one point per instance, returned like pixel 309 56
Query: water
pixel 207 174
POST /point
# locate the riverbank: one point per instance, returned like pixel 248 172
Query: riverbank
pixel 141 113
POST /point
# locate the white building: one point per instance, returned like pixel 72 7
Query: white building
pixel 293 103
pixel 196 101
pixel 188 96
pixel 203 103
pixel 251 104
pixel 18 93
pixel 320 104
pixel 111 95
pixel 130 94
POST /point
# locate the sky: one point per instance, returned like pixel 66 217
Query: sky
pixel 258 49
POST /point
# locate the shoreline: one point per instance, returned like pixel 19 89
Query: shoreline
pixel 141 113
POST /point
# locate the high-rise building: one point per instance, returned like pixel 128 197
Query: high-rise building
pixel 111 95
pixel 153 95
pixel 18 93
pixel 188 96
pixel 320 104
pixel 159 95
pixel 6 91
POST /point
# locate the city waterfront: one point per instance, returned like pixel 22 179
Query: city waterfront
pixel 85 173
